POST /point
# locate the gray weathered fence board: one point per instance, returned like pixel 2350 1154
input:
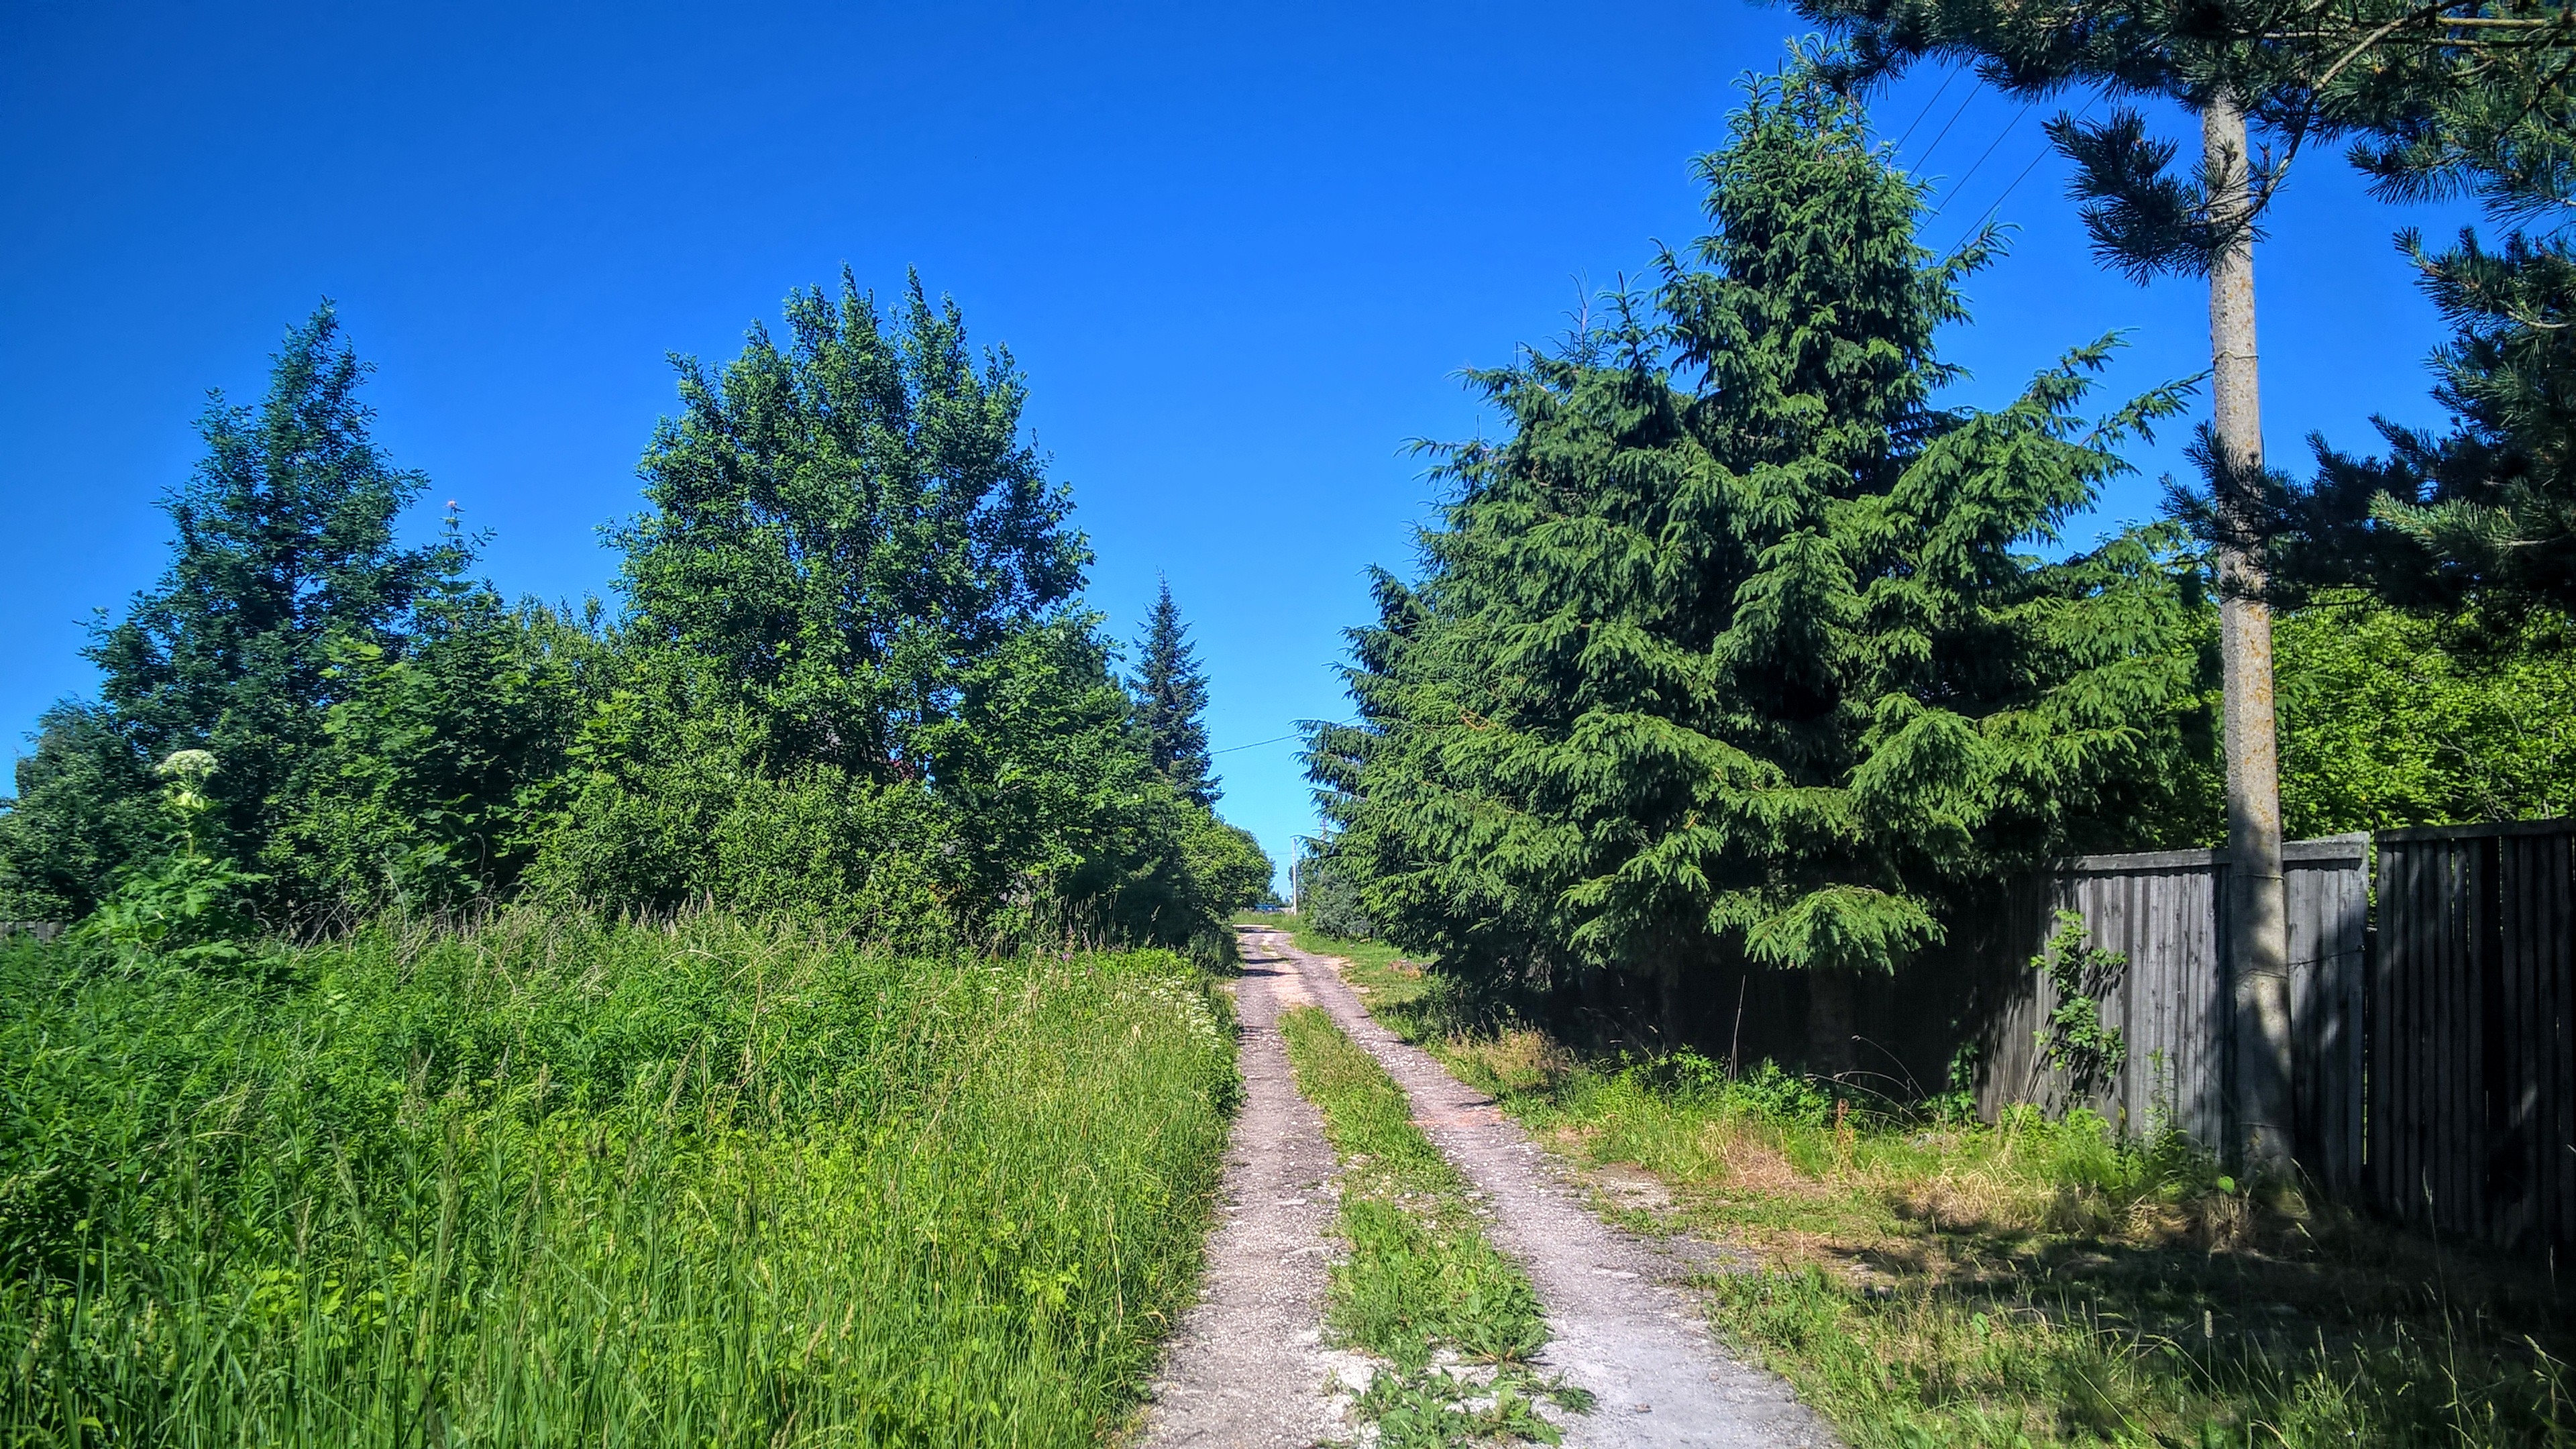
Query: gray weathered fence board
pixel 2162 910
pixel 2433 1016
pixel 2472 1090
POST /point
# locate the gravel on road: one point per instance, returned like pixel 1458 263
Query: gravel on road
pixel 1247 1369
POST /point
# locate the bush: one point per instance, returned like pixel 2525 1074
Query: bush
pixel 1329 900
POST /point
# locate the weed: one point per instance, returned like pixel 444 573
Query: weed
pixel 1931 1280
pixel 2036 1282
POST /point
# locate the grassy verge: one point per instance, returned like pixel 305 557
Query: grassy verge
pixel 1929 1282
pixel 1452 1321
pixel 556 1182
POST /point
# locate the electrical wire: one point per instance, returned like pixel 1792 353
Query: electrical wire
pixel 1946 78
pixel 1256 744
pixel 2007 192
pixel 1970 174
pixel 1926 158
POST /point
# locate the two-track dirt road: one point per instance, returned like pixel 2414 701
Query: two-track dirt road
pixel 1247 1368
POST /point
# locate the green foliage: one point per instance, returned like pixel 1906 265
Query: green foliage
pixel 2426 97
pixel 846 527
pixel 2075 1041
pixel 2045 1283
pixel 439 754
pixel 189 911
pixel 1329 900
pixel 2441 100
pixel 2482 515
pixel 84 809
pixel 555 1182
pixel 284 552
pixel 1732 647
pixel 1171 696
pixel 852 682
pixel 2393 717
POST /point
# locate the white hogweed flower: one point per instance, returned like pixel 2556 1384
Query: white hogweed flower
pixel 189 766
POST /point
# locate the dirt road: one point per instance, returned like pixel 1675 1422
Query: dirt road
pixel 1247 1367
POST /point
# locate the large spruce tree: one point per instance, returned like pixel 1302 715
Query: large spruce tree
pixel 1734 648
pixel 284 556
pixel 1171 696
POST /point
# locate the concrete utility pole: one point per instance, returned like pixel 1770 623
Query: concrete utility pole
pixel 2257 909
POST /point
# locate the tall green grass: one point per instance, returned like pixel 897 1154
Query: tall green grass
pixel 550 1181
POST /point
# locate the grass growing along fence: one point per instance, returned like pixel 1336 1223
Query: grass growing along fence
pixel 1452 1321
pixel 549 1181
pixel 1929 1280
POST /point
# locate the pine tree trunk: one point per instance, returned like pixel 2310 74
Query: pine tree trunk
pixel 2257 916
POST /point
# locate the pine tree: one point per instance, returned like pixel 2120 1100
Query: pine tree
pixel 2416 82
pixel 1730 651
pixel 2480 518
pixel 1171 696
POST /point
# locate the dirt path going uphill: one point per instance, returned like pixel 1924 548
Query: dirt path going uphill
pixel 1247 1368
pixel 1623 1327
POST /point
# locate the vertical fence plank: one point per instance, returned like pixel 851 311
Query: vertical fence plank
pixel 2433 1017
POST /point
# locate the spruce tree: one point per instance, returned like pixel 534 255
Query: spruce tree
pixel 1171 696
pixel 285 553
pixel 1732 649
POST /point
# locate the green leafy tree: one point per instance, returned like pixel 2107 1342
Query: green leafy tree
pixel 440 754
pixel 85 808
pixel 1731 649
pixel 1171 698
pixel 854 678
pixel 2400 717
pixel 845 524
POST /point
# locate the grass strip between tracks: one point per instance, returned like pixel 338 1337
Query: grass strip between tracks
pixel 1452 1322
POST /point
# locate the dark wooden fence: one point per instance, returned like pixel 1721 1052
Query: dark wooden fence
pixel 2433 1031
pixel 2472 1084
pixel 2165 912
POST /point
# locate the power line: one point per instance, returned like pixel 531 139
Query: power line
pixel 1926 158
pixel 2007 192
pixel 1946 78
pixel 1961 184
pixel 1256 744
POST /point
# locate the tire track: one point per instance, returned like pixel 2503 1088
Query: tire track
pixel 1623 1326
pixel 1246 1368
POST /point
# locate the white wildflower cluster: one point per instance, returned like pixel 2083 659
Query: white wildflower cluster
pixel 189 767
pixel 1166 995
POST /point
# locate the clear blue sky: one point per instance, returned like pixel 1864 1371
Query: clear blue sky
pixel 1241 253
